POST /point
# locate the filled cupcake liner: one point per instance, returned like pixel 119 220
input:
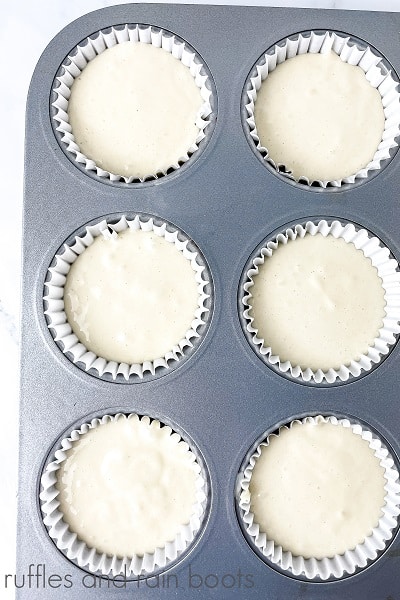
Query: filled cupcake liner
pixel 95 45
pixel 350 561
pixel 89 558
pixel 349 51
pixel 57 320
pixel 388 270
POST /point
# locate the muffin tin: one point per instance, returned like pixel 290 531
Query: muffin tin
pixel 222 398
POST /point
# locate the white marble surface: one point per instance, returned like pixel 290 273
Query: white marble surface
pixel 36 23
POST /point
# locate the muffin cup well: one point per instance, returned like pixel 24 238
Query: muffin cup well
pixel 89 558
pixel 387 268
pixel 350 561
pixel 61 330
pixel 94 45
pixel 352 51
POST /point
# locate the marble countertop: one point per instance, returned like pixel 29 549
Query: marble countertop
pixel 25 30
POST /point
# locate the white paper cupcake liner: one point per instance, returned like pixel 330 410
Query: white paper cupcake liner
pixel 100 563
pixel 387 268
pixel 95 45
pixel 353 559
pixel 349 51
pixel 61 330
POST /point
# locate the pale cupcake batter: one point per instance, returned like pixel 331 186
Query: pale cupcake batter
pixel 317 302
pixel 127 486
pixel 319 116
pixel 133 110
pixel 317 490
pixel 131 298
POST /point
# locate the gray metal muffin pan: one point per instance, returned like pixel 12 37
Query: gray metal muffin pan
pixel 223 396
